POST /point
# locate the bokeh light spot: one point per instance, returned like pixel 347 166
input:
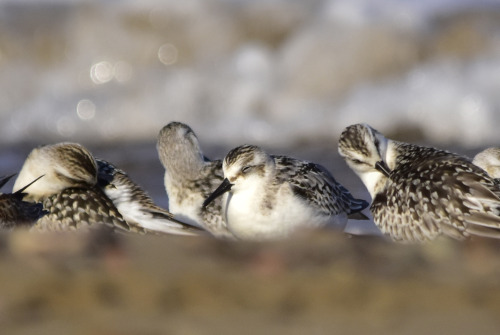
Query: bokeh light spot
pixel 85 109
pixel 101 72
pixel 167 54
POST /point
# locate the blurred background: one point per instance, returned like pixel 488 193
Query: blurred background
pixel 260 71
pixel 288 75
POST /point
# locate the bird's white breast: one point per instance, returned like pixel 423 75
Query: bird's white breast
pixel 248 217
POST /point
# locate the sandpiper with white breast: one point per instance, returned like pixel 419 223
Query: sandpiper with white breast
pixel 190 177
pixel 270 197
pixel 419 193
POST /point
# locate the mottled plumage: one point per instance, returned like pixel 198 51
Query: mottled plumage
pixel 271 196
pixel 189 179
pixel 72 195
pixel 419 193
pixel 77 208
pixel 14 211
pixel 68 188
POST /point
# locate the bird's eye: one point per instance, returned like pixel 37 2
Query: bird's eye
pixel 246 169
pixel 356 161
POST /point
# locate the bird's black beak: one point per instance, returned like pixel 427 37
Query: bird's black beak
pixel 223 188
pixel 25 187
pixel 382 167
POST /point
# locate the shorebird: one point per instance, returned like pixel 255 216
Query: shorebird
pixel 489 161
pixel 14 211
pixel 419 193
pixel 270 197
pixel 77 193
pixel 189 179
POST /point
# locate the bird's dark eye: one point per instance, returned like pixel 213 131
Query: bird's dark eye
pixel 246 169
pixel 356 161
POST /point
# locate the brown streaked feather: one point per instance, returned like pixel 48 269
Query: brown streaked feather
pixel 76 208
pixel 449 193
pixel 313 183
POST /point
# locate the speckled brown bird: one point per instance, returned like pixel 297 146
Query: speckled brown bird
pixel 419 193
pixel 74 190
pixel 272 196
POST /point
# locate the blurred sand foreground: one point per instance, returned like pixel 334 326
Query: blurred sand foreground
pixel 321 282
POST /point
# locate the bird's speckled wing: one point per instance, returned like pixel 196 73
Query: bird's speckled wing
pixel 431 192
pixel 76 208
pixel 111 178
pixel 135 205
pixel 314 184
